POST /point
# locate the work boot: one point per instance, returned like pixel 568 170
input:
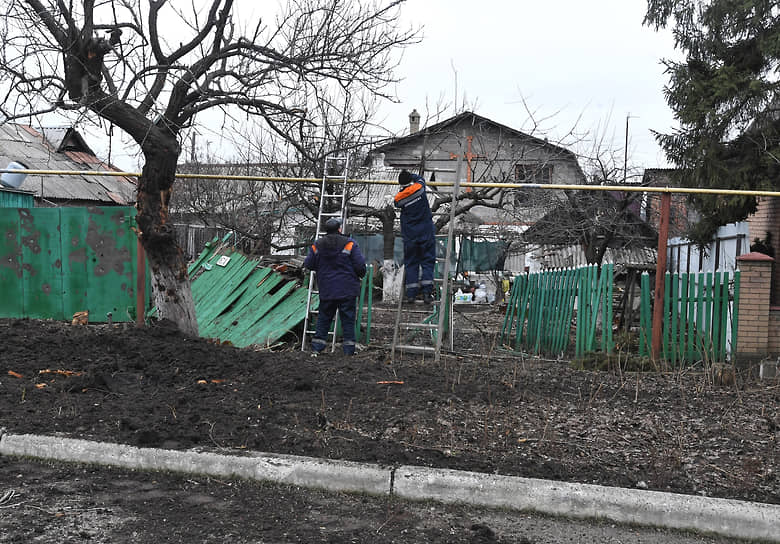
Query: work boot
pixel 410 299
pixel 428 298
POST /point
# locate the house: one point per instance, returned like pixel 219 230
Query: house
pixel 490 153
pixel 62 149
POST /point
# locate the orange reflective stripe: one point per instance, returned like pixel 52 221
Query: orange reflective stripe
pixel 349 245
pixel 314 248
pixel 408 191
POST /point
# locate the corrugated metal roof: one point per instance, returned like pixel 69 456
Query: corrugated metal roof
pixel 24 144
pixel 574 256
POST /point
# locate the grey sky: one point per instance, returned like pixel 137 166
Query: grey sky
pixel 588 63
pixel 583 63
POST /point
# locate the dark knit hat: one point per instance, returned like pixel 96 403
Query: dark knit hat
pixel 332 225
pixel 404 178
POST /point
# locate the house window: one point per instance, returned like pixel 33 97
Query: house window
pixel 533 173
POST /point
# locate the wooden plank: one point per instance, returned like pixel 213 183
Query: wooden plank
pixel 278 321
pixel 253 294
pixel 215 286
pixel 263 305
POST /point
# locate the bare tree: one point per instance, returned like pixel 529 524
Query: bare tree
pixel 150 69
pixel 278 215
pixel 595 220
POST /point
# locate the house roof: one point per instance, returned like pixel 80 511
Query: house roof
pixel 62 149
pixel 475 120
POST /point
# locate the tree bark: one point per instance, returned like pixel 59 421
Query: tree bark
pixel 388 234
pixel 172 294
pixel 391 274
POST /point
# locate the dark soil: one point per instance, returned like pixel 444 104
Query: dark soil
pixel 483 409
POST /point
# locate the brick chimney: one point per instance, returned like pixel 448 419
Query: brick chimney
pixel 414 122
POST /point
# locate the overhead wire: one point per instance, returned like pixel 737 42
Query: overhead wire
pixel 502 185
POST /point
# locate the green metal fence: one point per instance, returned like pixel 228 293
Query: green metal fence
pixel 700 316
pixel 10 198
pixel 542 307
pixel 55 262
pixel 365 303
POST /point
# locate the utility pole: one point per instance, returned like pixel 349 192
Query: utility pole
pixel 625 150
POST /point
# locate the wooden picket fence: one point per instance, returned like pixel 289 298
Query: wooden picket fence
pixel 549 311
pixel 541 311
pixel 700 316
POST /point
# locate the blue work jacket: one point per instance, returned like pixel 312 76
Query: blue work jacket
pixel 416 219
pixel 339 265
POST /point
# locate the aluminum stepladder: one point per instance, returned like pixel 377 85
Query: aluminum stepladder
pixel 333 203
pixel 439 322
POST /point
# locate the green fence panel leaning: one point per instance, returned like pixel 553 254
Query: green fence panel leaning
pixel 542 307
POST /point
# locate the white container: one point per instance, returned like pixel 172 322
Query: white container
pixel 10 179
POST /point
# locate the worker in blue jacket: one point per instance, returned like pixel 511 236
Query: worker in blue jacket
pixel 418 234
pixel 339 265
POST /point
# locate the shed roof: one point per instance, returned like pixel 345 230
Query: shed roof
pixel 62 149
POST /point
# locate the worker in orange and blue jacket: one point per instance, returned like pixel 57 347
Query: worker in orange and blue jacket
pixel 339 265
pixel 419 236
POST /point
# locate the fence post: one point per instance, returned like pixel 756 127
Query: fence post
pixel 660 269
pixel 755 283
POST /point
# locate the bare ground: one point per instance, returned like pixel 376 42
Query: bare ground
pixel 481 409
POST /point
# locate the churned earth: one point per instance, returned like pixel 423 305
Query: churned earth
pixel 481 409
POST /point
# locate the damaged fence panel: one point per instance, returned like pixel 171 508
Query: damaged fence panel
pixel 238 301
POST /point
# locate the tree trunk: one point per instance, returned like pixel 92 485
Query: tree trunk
pixel 388 234
pixel 391 274
pixel 171 290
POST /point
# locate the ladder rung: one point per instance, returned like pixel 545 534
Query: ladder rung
pixel 416 349
pixel 331 214
pixel 333 195
pixel 419 326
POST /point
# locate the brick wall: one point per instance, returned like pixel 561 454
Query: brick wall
pixel 754 286
pixel 773 343
pixel 767 220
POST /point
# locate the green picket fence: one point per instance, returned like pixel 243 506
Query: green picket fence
pixel 542 306
pixel 365 303
pixel 700 316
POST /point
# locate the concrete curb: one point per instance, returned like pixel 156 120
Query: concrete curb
pixel 719 516
pixel 286 469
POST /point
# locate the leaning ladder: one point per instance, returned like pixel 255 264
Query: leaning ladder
pixel 440 322
pixel 333 203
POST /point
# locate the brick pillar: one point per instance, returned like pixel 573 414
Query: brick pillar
pixel 754 287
